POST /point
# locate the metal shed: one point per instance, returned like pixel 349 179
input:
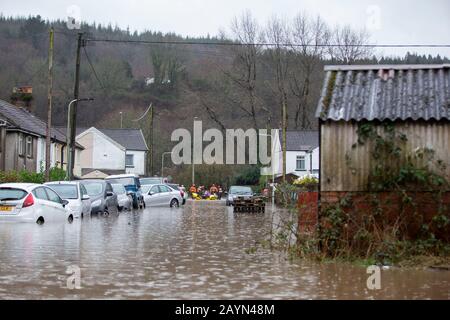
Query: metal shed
pixel 416 98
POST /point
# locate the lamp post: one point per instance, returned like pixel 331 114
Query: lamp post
pixel 70 140
pixel 193 165
pixel 162 162
pixel 121 119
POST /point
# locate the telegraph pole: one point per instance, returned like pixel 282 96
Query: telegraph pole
pixel 73 113
pixel 49 107
pixel 150 134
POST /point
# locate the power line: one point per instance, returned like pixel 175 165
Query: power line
pixel 269 44
pixel 93 69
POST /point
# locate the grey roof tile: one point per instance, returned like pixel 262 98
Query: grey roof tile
pixel 301 140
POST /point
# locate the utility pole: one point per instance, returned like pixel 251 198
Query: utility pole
pixel 150 140
pixel 283 144
pixel 73 114
pixel 49 107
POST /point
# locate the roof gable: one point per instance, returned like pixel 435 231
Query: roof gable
pixel 130 139
pixel 300 140
pixel 94 130
pixel 394 92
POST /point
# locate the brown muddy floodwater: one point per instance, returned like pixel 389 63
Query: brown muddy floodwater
pixel 195 252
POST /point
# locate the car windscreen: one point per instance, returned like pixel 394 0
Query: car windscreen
pixel 65 191
pixel 118 188
pixel 123 181
pixel 94 188
pixel 12 194
pixel 145 181
pixel 241 190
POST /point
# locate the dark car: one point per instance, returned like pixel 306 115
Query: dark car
pixel 238 191
pixel 132 185
pixel 103 199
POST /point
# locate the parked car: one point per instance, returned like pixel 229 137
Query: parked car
pixel 76 194
pixel 26 202
pixel 183 193
pixel 238 191
pixel 132 184
pixel 103 199
pixel 124 198
pixel 161 195
pixel 152 180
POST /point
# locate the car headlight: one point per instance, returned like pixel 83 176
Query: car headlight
pixel 96 203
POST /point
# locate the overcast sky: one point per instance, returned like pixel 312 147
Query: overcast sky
pixel 388 21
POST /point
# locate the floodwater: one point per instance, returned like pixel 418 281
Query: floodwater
pixel 196 252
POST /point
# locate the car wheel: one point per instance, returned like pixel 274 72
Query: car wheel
pixel 70 219
pixel 105 213
pixel 40 221
pixel 174 203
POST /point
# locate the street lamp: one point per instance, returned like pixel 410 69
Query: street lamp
pixel 70 139
pixel 162 162
pixel 192 142
pixel 121 120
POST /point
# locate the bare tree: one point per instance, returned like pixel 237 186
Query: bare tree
pixel 246 31
pixel 310 37
pixel 348 45
pixel 277 33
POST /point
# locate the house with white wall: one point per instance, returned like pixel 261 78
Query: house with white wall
pixel 302 153
pixel 111 151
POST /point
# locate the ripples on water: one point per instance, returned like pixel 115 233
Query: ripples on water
pixel 195 252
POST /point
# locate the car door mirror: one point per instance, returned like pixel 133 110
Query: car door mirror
pixel 150 193
pixel 129 193
pixel 109 193
pixel 64 203
pixel 85 197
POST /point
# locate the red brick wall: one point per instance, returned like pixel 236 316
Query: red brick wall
pixel 424 206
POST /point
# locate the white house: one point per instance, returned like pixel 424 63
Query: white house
pixel 302 153
pixel 111 151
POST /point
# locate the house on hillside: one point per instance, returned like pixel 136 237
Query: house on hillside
pixel 302 153
pixel 413 99
pixel 22 141
pixel 111 151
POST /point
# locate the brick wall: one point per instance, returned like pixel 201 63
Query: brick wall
pixel 421 210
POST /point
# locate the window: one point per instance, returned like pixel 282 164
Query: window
pixel 164 189
pixel 29 146
pixel 40 193
pixel 300 163
pixel 154 190
pixel 66 191
pixel 83 190
pixel 53 196
pixel 21 145
pixel 129 160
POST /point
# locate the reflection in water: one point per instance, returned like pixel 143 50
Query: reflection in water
pixel 196 252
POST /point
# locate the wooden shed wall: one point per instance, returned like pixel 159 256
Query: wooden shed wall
pixel 344 168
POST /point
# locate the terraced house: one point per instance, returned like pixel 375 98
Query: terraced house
pixel 22 141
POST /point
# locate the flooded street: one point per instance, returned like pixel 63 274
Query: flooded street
pixel 194 252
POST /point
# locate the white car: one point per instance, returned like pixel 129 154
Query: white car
pixel 161 195
pixel 26 202
pixel 76 194
pixel 124 198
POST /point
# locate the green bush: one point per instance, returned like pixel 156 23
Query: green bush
pixel 56 174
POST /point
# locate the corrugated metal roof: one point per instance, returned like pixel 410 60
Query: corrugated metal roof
pixel 300 140
pixel 395 92
pixel 21 118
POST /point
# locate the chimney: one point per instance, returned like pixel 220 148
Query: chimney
pixel 22 97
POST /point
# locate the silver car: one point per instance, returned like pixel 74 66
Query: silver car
pixel 124 198
pixel 161 195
